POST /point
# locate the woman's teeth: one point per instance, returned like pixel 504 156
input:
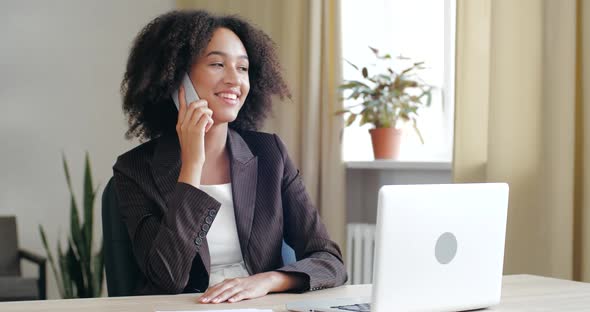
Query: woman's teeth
pixel 230 96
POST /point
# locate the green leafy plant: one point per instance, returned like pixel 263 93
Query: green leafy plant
pixel 387 96
pixel 80 273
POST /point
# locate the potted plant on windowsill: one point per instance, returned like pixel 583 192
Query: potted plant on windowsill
pixel 387 99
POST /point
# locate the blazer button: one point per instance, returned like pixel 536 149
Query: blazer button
pixel 209 220
pixel 212 212
pixel 202 234
pixel 198 241
pixel 205 227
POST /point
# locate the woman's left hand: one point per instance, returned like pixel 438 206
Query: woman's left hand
pixel 254 286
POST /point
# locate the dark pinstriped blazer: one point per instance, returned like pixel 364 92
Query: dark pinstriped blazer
pixel 168 221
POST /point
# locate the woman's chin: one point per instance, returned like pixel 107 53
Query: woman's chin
pixel 223 119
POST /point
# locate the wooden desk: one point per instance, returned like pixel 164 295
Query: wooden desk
pixel 519 293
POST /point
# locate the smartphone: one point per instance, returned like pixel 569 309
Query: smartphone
pixel 190 94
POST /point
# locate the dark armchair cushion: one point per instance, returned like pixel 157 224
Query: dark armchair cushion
pixel 14 288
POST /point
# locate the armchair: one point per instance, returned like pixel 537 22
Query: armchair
pixel 12 285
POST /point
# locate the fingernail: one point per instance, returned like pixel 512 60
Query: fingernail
pixel 204 299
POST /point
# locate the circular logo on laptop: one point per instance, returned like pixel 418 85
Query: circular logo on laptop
pixel 446 248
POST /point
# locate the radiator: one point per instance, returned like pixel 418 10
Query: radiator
pixel 360 250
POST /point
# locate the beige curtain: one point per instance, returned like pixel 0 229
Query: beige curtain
pixel 522 110
pixel 308 40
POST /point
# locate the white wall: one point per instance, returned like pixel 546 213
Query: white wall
pixel 61 63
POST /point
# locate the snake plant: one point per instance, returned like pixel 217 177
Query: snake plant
pixel 80 271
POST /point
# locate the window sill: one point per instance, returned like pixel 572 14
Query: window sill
pixel 399 165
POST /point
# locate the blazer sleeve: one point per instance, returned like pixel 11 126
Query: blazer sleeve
pixel 319 258
pixel 165 243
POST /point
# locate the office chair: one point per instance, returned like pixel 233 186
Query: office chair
pixel 12 285
pixel 122 271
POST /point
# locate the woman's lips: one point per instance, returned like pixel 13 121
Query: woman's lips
pixel 229 98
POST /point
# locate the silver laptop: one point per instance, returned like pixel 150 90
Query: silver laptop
pixel 438 248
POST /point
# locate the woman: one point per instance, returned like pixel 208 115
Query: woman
pixel 208 200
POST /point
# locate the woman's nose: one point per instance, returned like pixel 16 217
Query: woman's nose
pixel 231 76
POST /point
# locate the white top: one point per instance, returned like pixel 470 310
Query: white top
pixel 224 244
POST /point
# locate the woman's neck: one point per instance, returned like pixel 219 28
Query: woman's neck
pixel 216 167
pixel 215 141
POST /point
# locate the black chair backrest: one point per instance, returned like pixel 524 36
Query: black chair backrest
pixel 9 260
pixel 122 271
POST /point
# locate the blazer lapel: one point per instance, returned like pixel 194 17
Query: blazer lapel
pixel 244 175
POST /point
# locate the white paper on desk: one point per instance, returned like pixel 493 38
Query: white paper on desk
pixel 230 310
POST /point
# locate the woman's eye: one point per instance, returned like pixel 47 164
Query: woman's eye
pixel 243 68
pixel 217 65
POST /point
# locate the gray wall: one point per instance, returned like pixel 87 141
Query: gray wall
pixel 362 186
pixel 61 64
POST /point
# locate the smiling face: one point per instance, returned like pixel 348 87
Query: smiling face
pixel 220 75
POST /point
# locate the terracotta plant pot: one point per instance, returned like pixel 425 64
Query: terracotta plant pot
pixel 386 142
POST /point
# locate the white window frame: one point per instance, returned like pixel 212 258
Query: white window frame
pixel 448 91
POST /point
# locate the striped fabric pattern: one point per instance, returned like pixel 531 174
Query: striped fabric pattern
pixel 168 221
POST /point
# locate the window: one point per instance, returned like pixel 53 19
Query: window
pixel 423 30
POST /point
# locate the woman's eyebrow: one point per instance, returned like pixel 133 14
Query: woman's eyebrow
pixel 223 54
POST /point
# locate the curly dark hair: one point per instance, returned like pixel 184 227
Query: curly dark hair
pixel 167 47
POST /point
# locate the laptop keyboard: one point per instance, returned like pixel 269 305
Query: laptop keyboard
pixel 361 307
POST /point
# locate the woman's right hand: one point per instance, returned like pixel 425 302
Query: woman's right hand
pixel 193 122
